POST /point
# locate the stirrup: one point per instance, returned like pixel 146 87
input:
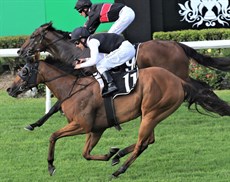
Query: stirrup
pixel 109 90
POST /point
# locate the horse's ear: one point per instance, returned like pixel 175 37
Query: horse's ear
pixel 50 24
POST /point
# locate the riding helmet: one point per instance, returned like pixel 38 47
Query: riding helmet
pixel 79 33
pixel 81 4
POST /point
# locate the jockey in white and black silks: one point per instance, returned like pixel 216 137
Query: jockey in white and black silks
pixel 117 53
pixel 120 14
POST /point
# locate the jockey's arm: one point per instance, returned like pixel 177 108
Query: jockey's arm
pixel 93 45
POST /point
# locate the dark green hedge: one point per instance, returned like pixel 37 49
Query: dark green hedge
pixel 194 35
pixel 12 41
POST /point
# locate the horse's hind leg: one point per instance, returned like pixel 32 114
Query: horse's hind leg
pixel 129 149
pixel 146 127
pixel 91 141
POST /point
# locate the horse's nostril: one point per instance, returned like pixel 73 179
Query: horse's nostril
pixel 8 90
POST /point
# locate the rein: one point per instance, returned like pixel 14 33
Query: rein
pixel 74 83
pixel 53 42
pixel 55 78
pixel 42 37
pixel 71 94
pixel 60 76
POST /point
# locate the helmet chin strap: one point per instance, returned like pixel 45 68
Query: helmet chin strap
pixel 83 42
pixel 86 11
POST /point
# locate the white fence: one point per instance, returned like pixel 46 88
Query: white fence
pixel 209 44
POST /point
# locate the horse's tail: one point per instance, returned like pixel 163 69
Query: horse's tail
pixel 222 64
pixel 199 93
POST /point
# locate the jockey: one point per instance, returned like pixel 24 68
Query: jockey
pixel 117 50
pixel 121 15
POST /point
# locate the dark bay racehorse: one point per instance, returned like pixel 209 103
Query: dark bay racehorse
pixel 170 55
pixel 157 95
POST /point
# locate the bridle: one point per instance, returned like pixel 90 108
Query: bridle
pixel 39 41
pixel 29 76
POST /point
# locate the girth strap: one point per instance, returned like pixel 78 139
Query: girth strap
pixel 110 113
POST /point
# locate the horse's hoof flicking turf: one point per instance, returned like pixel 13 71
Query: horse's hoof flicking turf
pixel 115 161
pixel 112 178
pixel 29 128
pixel 114 150
pixel 52 170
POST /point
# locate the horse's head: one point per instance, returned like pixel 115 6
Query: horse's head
pixel 35 42
pixel 25 80
pixel 40 40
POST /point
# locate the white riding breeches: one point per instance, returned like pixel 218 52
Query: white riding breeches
pixel 124 53
pixel 126 17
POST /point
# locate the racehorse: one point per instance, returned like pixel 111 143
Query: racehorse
pixel 170 55
pixel 157 95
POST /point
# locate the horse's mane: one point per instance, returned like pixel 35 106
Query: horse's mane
pixel 58 64
pixel 67 68
pixel 50 27
pixel 66 53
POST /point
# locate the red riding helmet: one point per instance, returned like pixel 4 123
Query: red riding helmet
pixel 81 4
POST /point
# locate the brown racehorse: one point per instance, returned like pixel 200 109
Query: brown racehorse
pixel 170 55
pixel 158 94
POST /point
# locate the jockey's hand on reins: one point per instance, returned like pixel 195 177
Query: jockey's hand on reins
pixel 78 61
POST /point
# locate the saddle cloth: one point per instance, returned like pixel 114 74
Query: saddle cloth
pixel 125 77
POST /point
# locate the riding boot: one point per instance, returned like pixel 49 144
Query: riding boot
pixel 109 84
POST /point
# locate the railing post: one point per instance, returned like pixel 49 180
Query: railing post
pixel 48 100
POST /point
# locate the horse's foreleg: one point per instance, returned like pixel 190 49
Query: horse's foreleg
pixel 91 141
pixel 69 130
pixel 129 149
pixel 55 108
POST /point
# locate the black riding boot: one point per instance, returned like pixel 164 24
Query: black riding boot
pixel 109 86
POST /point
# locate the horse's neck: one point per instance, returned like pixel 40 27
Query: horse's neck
pixel 65 50
pixel 57 81
pixel 62 50
pixel 63 85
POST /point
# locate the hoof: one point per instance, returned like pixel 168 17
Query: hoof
pixel 112 177
pixel 52 170
pixel 114 150
pixel 121 170
pixel 115 161
pixel 29 128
